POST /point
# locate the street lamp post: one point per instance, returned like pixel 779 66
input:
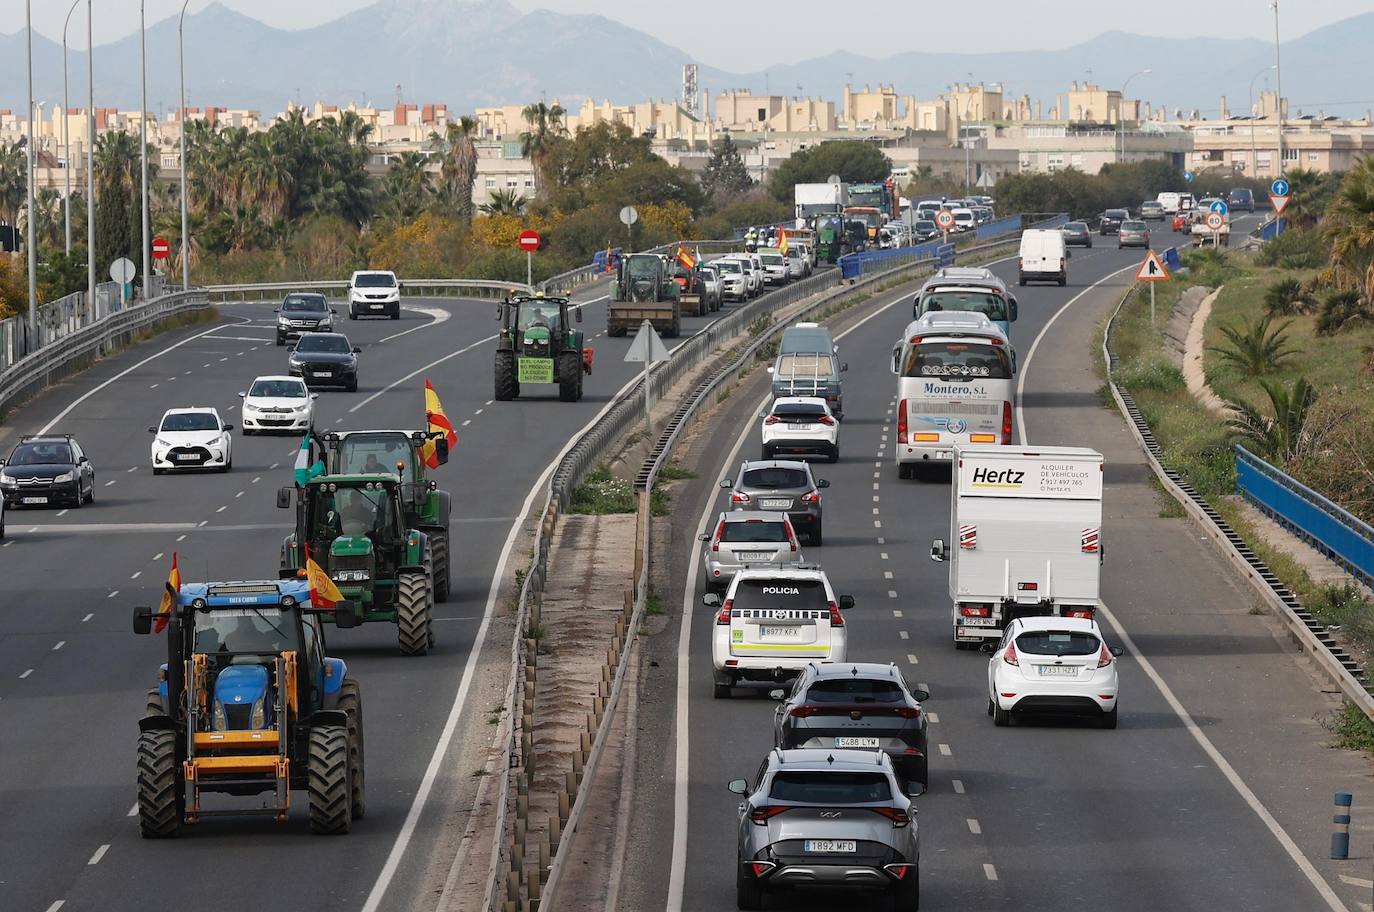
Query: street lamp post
pixel 90 168
pixel 181 117
pixel 1254 161
pixel 1121 113
pixel 66 140
pixel 143 136
pixel 28 219
pixel 1278 81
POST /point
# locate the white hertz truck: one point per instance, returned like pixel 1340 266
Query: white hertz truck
pixel 1025 536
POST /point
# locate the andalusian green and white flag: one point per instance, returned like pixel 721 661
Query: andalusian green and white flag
pixel 305 469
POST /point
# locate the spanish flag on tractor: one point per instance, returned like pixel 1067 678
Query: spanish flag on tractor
pixel 170 595
pixel 437 423
pixel 324 595
pixel 685 258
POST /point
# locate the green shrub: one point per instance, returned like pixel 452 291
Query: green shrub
pixel 1151 373
pixel 1286 297
pixel 1255 349
pixel 1339 310
pixel 1294 249
pixel 601 493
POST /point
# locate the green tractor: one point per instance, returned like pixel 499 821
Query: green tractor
pixel 426 507
pixel 644 290
pixel 538 344
pixel 355 528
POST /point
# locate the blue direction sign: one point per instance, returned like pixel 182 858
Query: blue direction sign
pixel 1188 176
pixel 1279 187
pixel 1220 206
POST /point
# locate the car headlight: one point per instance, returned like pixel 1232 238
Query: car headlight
pixel 162 443
pixel 283 321
pixel 8 482
pixel 64 477
pixel 250 407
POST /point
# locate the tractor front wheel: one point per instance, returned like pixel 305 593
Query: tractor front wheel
pixel 507 386
pixel 330 811
pixel 569 373
pixel 159 785
pixel 442 576
pixel 154 706
pixel 413 613
pixel 351 702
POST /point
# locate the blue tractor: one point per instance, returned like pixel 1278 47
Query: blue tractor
pixel 248 703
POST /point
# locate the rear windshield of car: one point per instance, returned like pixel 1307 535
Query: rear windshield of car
pixel 784 594
pixel 827 787
pixel 774 477
pixel 278 389
pixel 967 301
pixel 1058 643
pixel 1117 214
pixel 1133 226
pixel 190 421
pixel 374 280
pixel 302 303
pixel 772 259
pixel 754 530
pixel 41 454
pixel 924 225
pixel 798 410
pixel 957 361
pixel 728 266
pixel 854 690
pixel 335 344
pixel 1076 226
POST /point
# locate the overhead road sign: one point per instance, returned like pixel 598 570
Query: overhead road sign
pixel 1153 269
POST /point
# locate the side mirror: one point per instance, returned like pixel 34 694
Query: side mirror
pixel 920 696
pixel 846 602
pixel 989 647
pixel 704 537
pixel 914 789
pixel 1012 307
pixel 897 359
pixel 357 350
pixel 711 600
pixel 1116 651
pixel 738 786
pixel 333 312
pixel 937 550
pixel 499 308
pixel 577 315
pixel 345 615
pixel 1068 254
pixel 143 620
pixel 822 483
pixel 152 430
pixel 779 694
pixel 844 366
pixel 243 395
pixel 283 498
pixel 314 395
pixel 228 427
pixel 441 448
pixel 724 482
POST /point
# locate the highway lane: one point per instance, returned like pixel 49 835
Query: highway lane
pixel 1006 804
pixel 70 721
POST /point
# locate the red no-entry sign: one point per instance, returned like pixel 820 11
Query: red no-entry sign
pixel 161 249
pixel 529 240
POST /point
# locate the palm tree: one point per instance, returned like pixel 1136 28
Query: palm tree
pixel 1304 189
pixel 459 168
pixel 1350 226
pixel 1255 349
pixel 504 202
pixel 407 186
pixel 1278 437
pixel 14 171
pixel 545 130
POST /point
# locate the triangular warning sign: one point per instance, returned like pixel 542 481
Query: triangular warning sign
pixel 1279 202
pixel 1152 270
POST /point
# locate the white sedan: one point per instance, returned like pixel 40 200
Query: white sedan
pixel 801 425
pixel 278 404
pixel 191 438
pixel 1053 665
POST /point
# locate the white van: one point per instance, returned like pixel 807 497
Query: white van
pixel 1169 200
pixel 1044 257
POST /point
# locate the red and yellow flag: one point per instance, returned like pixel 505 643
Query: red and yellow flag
pixel 437 421
pixel 684 257
pixel 170 594
pixel 323 593
pixel 782 241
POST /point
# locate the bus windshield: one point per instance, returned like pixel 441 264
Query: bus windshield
pixel 957 361
pixel 968 300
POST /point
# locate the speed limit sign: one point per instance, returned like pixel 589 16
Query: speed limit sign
pixel 1215 220
pixel 944 219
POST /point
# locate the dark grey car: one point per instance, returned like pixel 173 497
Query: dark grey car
pixel 325 359
pixel 1111 220
pixel 827 818
pixel 781 485
pixel 1077 234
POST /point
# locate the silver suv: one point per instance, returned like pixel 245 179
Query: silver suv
pixel 747 538
pixel 827 818
pixel 784 485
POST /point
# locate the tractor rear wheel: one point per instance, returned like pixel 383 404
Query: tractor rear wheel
pixel 413 613
pixel 154 706
pixel 569 373
pixel 328 766
pixel 442 575
pixel 351 702
pixel 160 803
pixel 507 387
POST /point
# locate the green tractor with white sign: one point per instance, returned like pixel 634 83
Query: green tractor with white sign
pixel 539 345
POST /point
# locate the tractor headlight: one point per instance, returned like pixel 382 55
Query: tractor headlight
pixel 219 721
pixel 259 718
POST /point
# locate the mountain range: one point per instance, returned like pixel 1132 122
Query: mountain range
pixel 487 52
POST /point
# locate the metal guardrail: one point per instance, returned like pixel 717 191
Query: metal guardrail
pixel 1325 525
pixel 468 288
pixel 998 228
pixel 56 319
pixel 1310 634
pixel 565 282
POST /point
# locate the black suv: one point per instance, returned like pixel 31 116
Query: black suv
pixel 302 313
pixel 1111 220
pixel 49 470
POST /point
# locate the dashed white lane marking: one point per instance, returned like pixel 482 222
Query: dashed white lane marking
pixel 974 826
pixel 59 645
pixel 933 717
pixel 882 555
pixel 910 657
pixel 202 523
pixel 157 557
pixel 256 480
pixel 887 574
pixel 99 854
pixel 62 513
pixel 222 509
pixel 478 412
pixel 878 465
pixel 224 359
pixel 112 594
pixel 945 751
pixel 989 871
pixel 181 537
pixel 131 469
pixel 877 523
pixel 875 496
pixel 882 541
pixel 896 612
pixel 170 379
pixel 274 465
pixel 57 905
pixel 88 617
pixel 154 386
pixel 1357 881
pixel 7 544
pixel 958 786
pixel 205 365
pixel 136 574
pixel 133 811
pixel 33 530
pixel 892 593
pixel 186 373
pixel 466 423
pixel 110 482
pixel 875 484
pixel 489 402
pixel 903 634
pixel 239 494
pixel 26 674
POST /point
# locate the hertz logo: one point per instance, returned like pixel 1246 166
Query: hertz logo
pixel 998 476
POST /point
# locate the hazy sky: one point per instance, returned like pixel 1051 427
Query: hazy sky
pixel 747 36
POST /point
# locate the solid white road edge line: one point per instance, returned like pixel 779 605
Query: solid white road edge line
pixel 436 315
pixel 431 774
pixel 1296 854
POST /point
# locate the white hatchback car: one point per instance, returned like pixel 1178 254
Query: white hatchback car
pixel 801 425
pixel 192 438
pixel 772 623
pixel 1052 665
pixel 278 404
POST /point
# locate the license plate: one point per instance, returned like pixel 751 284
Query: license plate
pixel 754 555
pixel 979 622
pixel 830 845
pixel 775 504
pixel 324 373
pixel 944 454
pixel 376 306
pixel 34 500
pixel 799 427
pixel 779 633
pixel 856 742
pixel 187 457
pixel 1057 671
